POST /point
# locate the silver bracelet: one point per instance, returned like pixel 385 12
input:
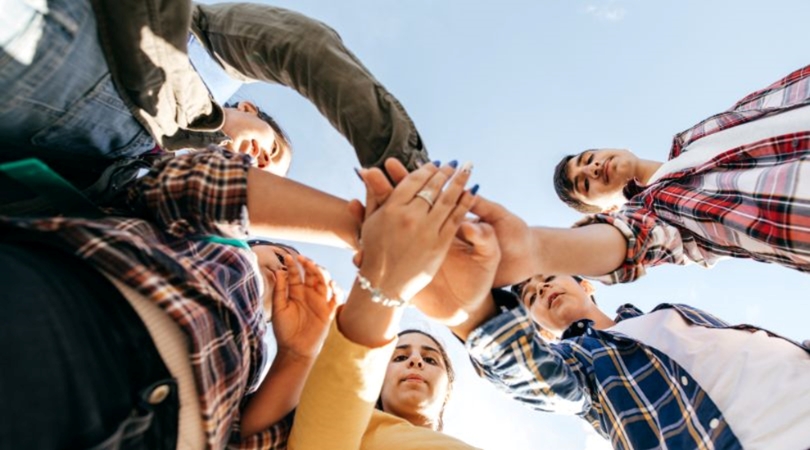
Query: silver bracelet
pixel 377 296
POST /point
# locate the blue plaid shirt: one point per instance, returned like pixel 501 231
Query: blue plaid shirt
pixel 630 393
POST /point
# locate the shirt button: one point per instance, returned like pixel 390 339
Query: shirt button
pixel 580 325
pixel 684 380
pixel 159 394
pixel 714 423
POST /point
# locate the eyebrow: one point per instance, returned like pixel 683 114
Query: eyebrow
pixel 423 347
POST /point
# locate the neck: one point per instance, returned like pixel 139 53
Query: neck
pixel 645 170
pixel 601 321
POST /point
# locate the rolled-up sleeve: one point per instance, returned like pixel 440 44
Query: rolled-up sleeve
pixel 650 242
pixel 196 194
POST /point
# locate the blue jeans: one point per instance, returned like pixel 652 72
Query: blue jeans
pixel 78 369
pixel 57 101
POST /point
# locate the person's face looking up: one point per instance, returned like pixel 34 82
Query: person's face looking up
pixel 599 176
pixel 556 302
pixel 270 259
pixel 251 135
pixel 416 382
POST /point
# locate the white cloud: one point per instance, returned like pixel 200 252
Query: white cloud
pixel 610 11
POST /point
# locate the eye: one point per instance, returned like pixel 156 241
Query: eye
pixel 280 258
pixel 550 278
pixel 587 185
pixel 590 159
pixel 431 360
pixel 399 358
pixel 532 299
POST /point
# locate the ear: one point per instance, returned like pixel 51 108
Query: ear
pixel 248 107
pixel 587 287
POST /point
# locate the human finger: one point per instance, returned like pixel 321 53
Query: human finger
pixel 481 236
pixel 456 217
pixel 449 198
pixel 295 285
pixel 488 211
pixel 432 190
pixel 280 294
pixel 406 190
pixel 396 170
pixel 378 188
pixel 315 277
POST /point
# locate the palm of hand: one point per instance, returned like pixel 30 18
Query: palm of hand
pixel 463 280
pixel 302 309
pixel 300 324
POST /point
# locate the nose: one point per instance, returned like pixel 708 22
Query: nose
pixel 415 361
pixel 594 169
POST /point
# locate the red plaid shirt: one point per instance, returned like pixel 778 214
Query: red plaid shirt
pixel 750 201
pixel 211 290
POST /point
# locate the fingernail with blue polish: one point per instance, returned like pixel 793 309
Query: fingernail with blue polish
pixel 474 190
pixel 453 164
pixel 437 163
pixel 357 171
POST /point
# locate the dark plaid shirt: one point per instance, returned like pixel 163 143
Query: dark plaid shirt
pixel 750 201
pixel 210 290
pixel 632 394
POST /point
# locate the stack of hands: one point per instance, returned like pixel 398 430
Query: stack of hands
pixel 418 245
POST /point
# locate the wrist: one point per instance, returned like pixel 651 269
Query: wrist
pixel 486 310
pixel 289 355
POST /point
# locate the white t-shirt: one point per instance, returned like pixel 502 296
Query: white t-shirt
pixel 760 383
pixel 704 149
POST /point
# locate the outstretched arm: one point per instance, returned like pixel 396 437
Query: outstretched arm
pixel 286 209
pixel 262 43
pixel 525 251
pixel 303 307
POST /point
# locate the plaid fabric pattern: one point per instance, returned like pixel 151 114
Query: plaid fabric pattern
pixel 751 201
pixel 632 394
pixel 210 290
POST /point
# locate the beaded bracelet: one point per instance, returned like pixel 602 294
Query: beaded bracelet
pixel 377 296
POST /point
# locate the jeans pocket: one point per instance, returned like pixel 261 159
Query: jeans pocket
pixel 152 423
pixel 130 433
pixel 98 125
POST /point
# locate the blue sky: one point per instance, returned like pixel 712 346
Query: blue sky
pixel 513 86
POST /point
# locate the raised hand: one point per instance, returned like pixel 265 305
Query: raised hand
pixel 465 277
pixel 405 240
pixel 304 303
pixel 516 241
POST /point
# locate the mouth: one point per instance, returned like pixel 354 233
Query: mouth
pixel 413 378
pixel 552 298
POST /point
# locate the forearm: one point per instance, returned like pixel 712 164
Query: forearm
pixel 260 42
pixel 278 394
pixel 591 250
pixel 476 317
pixel 286 209
pixel 367 323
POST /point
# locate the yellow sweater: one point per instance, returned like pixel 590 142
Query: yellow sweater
pixel 337 406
